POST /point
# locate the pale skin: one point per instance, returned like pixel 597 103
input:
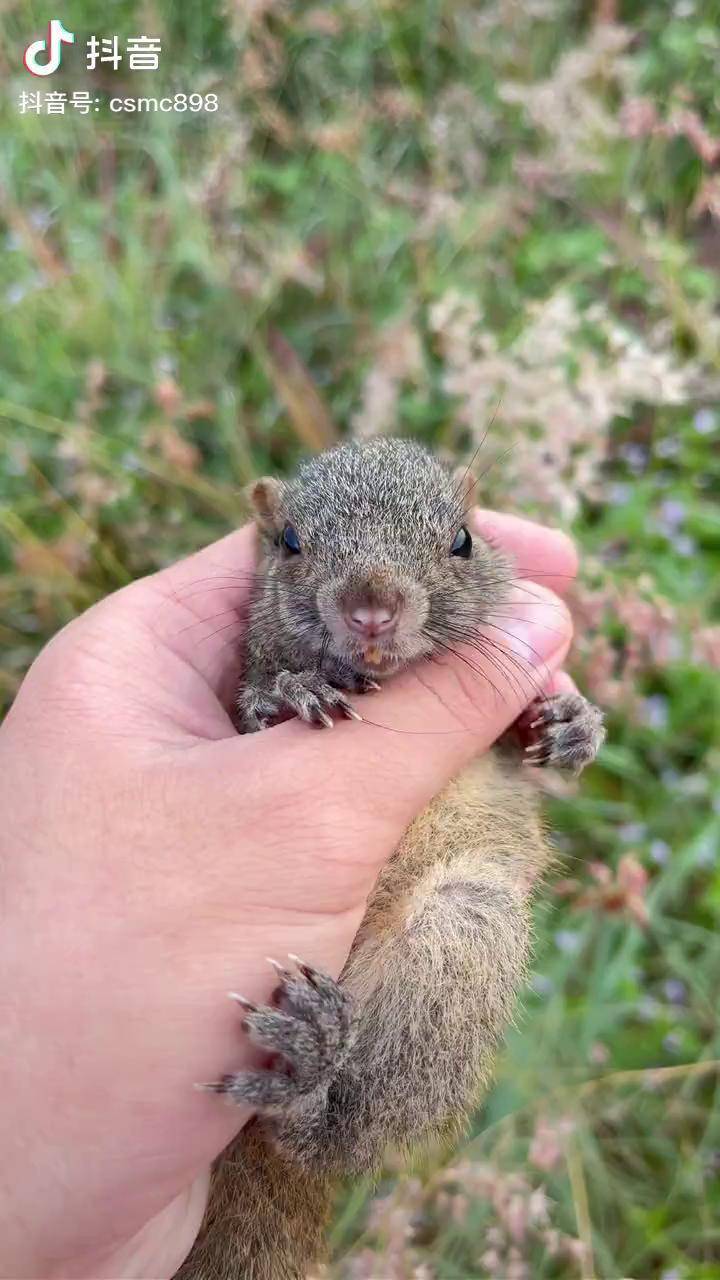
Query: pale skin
pixel 151 860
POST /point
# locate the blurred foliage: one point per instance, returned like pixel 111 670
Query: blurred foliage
pixel 410 217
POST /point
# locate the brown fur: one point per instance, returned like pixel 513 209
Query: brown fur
pixel 262 1220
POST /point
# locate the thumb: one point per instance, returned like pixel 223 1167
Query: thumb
pixel 424 725
pixel 431 720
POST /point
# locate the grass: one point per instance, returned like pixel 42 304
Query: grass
pixel 401 217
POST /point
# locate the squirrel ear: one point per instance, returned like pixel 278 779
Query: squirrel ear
pixel 465 483
pixel 264 497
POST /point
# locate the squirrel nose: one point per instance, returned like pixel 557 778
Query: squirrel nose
pixel 371 619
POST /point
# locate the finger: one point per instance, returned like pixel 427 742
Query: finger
pixel 561 683
pixel 544 555
pixel 434 718
pixel 441 716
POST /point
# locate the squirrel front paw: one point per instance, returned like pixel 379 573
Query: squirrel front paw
pixel 564 731
pixel 304 694
pixel 308 1028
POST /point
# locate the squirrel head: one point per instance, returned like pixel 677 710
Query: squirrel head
pixel 371 556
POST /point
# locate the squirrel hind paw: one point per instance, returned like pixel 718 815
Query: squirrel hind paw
pixel 308 1027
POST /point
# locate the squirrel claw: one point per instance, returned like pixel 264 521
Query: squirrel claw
pixel 306 969
pixel 214 1086
pixel 244 1004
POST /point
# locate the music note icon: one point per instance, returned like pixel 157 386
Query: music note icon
pixel 57 36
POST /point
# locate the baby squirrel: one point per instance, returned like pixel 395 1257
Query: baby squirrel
pixel 366 564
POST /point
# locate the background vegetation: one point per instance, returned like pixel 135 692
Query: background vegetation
pixel 410 217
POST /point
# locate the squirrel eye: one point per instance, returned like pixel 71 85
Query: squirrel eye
pixel 462 544
pixel 290 541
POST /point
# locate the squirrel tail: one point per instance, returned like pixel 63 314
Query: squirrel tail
pixel 266 1217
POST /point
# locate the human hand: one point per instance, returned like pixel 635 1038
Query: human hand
pixel 153 859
